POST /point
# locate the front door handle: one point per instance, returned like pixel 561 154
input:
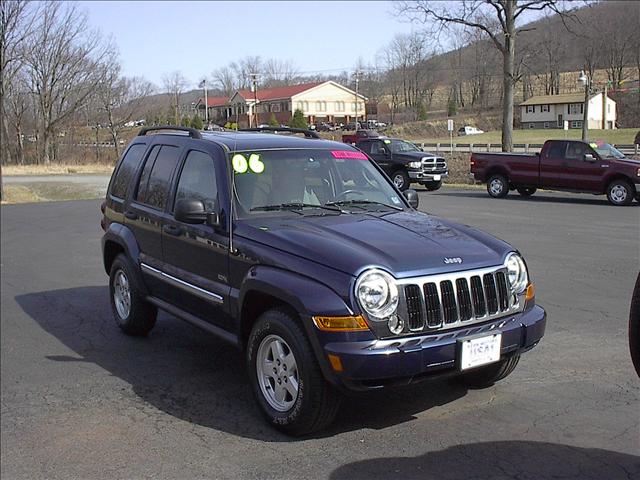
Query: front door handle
pixel 131 215
pixel 172 230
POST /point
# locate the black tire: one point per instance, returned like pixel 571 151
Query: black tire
pixel 141 315
pixel 634 326
pixel 400 179
pixel 498 186
pixel 483 377
pixel 433 186
pixel 620 192
pixel 317 401
pixel 526 191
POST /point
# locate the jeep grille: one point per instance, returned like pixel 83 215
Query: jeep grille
pixel 457 299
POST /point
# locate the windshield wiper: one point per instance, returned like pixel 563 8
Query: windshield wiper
pixel 294 207
pixel 365 202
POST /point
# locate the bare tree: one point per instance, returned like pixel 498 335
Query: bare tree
pixel 279 72
pixel 224 79
pixel 64 67
pixel 174 84
pixel 499 20
pixel 120 98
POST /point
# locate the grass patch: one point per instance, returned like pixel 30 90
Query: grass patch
pixel 57 169
pixel 620 136
pixel 18 194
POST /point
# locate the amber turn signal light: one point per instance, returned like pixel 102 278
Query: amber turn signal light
pixel 336 363
pixel 341 324
pixel 531 292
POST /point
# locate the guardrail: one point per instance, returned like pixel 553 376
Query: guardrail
pixel 496 147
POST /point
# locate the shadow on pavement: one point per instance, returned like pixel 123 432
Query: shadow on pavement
pixel 499 460
pixel 535 198
pixel 194 376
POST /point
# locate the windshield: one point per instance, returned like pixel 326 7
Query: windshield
pixel 606 150
pixel 309 182
pixel 400 146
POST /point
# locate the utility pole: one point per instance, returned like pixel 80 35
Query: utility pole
pixel 604 105
pixel 254 87
pixel 584 79
pixel 357 75
pixel 203 84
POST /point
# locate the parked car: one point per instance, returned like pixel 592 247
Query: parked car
pixel 572 165
pixel 405 163
pixel 353 138
pixel 302 254
pixel 468 130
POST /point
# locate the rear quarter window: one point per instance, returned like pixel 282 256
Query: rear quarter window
pixel 153 188
pixel 127 169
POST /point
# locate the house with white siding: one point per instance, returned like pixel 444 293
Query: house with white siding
pixel 551 111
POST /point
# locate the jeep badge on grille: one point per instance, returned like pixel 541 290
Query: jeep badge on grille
pixel 452 260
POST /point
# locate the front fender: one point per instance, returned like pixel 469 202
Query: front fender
pixel 307 296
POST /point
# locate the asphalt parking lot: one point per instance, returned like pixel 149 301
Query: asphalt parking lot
pixel 81 400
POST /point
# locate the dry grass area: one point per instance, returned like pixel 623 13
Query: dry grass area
pixel 56 169
pixel 18 194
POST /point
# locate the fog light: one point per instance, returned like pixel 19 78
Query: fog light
pixel 396 324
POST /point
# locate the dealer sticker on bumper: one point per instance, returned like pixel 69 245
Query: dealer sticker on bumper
pixel 436 177
pixel 480 351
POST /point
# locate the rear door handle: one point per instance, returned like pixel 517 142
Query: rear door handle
pixel 172 230
pixel 131 215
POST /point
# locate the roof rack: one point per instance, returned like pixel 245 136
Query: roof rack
pixel 307 133
pixel 193 133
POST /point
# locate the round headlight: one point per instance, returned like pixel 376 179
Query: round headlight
pixel 415 164
pixel 516 272
pixel 377 293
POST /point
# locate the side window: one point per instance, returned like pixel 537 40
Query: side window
pixel 556 150
pixel 576 151
pixel 127 170
pixel 154 193
pixel 198 180
pixel 141 190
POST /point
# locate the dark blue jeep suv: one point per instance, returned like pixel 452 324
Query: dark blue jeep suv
pixel 303 254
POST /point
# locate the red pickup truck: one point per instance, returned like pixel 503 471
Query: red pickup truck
pixel 568 165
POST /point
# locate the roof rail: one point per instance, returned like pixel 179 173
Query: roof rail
pixel 193 133
pixel 307 133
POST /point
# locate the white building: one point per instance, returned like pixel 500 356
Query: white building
pixel 550 111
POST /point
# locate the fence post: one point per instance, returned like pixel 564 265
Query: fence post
pixel 488 147
pixel 471 148
pixel 422 145
pixel 526 148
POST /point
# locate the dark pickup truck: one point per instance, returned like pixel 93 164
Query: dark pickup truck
pixel 573 166
pixel 405 163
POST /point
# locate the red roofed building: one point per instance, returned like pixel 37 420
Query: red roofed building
pixel 319 101
pixel 219 109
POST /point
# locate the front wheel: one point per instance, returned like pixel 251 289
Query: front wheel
pixel 526 191
pixel 483 377
pixel 620 192
pixel 400 180
pixel 433 186
pixel 286 378
pixel 497 186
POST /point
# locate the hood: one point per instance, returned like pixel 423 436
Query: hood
pixel 624 161
pixel 405 244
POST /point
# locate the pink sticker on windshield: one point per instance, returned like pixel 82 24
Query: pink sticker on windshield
pixel 351 155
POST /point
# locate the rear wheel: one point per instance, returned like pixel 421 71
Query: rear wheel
pixel 400 180
pixel 286 378
pixel 132 313
pixel 620 192
pixel 486 376
pixel 498 186
pixel 526 191
pixel 432 186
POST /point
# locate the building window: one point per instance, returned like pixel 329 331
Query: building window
pixel 546 124
pixel 531 109
pixel 321 106
pixel 575 108
pixel 608 108
pixel 339 106
pixel 544 108
pixel 275 107
pixel 532 125
pixel 353 106
pixel 576 124
pixel 306 106
pixel 300 106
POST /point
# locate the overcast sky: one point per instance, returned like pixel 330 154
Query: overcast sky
pixel 196 37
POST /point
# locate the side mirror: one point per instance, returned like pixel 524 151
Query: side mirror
pixel 412 197
pixel 589 158
pixel 192 211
